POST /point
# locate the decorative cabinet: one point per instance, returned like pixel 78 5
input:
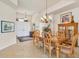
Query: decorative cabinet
pixel 68 28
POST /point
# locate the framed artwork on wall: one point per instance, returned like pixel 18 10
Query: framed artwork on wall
pixel 7 26
pixel 66 17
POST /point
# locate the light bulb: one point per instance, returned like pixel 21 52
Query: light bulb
pixel 50 17
pixel 44 16
pixel 42 19
pixel 21 19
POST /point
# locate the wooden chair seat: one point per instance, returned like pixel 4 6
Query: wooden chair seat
pixel 65 51
pixel 65 45
pixel 69 49
pixel 51 47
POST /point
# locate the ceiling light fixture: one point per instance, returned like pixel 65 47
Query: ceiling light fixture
pixel 46 15
pixel 25 16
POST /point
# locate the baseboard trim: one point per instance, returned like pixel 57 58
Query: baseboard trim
pixel 6 46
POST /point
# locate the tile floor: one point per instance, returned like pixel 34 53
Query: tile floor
pixel 26 50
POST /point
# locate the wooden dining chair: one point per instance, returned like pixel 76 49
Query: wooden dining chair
pixel 60 36
pixel 33 36
pixel 69 49
pixel 36 37
pixel 47 43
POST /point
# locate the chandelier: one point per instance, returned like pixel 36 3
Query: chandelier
pixel 46 15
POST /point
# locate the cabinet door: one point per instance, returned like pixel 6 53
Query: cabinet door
pixel 69 32
pixel 61 28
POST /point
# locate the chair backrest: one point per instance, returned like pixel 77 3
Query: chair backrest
pixel 33 34
pixel 36 33
pixel 74 39
pixel 48 38
pixel 61 36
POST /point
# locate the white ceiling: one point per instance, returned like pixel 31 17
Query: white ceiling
pixel 14 1
pixel 34 6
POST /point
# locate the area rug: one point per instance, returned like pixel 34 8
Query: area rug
pixel 22 39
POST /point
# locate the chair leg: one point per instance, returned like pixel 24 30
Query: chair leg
pixel 44 50
pixel 33 42
pixel 70 55
pixel 73 55
pixel 37 41
pixel 49 52
pixel 57 52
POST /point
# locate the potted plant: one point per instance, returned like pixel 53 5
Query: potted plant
pixel 47 29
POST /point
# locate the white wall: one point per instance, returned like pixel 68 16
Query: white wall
pixel 9 14
pixel 15 2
